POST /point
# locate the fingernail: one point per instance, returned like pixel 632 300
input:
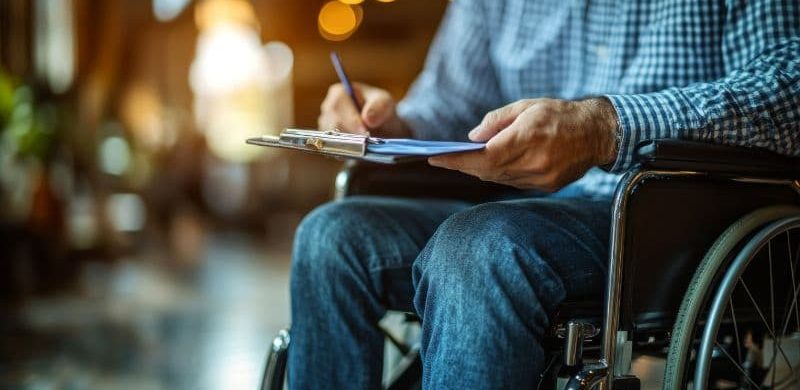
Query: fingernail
pixel 363 130
pixel 433 161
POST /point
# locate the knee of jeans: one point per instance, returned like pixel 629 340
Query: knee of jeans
pixel 468 243
pixel 473 228
pixel 326 241
pixel 480 255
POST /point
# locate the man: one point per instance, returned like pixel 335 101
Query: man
pixel 484 278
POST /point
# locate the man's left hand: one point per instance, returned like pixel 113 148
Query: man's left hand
pixel 539 143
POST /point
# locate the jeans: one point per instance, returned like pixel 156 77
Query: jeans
pixel 484 280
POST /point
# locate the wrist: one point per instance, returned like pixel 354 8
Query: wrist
pixel 604 124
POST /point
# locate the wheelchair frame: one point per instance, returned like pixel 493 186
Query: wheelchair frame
pixel 603 372
pixel 615 356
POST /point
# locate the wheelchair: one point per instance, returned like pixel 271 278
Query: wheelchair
pixel 703 270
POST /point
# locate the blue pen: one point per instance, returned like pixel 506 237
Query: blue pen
pixel 337 64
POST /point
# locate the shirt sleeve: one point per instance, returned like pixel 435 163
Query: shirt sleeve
pixel 457 85
pixel 756 104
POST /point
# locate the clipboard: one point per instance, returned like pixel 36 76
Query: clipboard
pixel 360 147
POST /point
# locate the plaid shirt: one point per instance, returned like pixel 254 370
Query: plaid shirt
pixel 721 71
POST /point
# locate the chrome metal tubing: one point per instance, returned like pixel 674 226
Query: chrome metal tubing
pixel 342 182
pixel 573 345
pixel 616 252
pixel 275 370
pixel 589 377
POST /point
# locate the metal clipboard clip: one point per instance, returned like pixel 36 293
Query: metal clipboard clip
pixel 328 142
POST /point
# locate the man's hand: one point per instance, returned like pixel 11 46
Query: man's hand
pixel 540 143
pixel 378 116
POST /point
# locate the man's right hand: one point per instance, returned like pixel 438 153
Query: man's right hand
pixel 377 118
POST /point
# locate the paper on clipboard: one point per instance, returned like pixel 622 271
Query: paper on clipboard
pixel 354 146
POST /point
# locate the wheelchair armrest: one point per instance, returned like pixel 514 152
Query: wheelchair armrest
pixel 675 154
pixel 414 180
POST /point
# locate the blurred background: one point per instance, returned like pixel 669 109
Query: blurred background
pixel 143 244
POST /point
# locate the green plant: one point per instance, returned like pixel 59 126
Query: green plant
pixel 28 129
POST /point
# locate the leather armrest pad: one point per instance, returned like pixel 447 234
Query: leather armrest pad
pixel 699 156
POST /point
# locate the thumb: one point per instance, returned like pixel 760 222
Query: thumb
pixel 495 121
pixel 378 107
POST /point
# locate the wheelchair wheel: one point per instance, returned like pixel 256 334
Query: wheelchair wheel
pixel 739 322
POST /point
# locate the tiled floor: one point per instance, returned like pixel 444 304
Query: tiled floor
pixel 146 323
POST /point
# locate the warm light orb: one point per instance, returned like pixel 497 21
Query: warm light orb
pixel 352 2
pixel 209 13
pixel 337 20
pixel 385 1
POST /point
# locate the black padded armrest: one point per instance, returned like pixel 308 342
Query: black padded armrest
pixel 416 180
pixel 698 156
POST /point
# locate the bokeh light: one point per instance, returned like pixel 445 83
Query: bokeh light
pixel 166 10
pixel 126 212
pixel 55 49
pixel 337 20
pixel 352 2
pixel 115 155
pixel 242 89
pixel 209 13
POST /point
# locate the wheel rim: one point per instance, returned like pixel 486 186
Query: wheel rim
pixel 734 280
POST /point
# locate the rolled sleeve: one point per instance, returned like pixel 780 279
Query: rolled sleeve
pixel 755 106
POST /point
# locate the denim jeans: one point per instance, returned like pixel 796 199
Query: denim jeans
pixel 483 279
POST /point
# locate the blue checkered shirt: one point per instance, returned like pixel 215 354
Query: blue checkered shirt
pixel 721 71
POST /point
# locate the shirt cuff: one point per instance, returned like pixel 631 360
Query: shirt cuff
pixel 646 117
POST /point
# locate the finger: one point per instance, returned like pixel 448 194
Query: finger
pixel 339 106
pixel 506 148
pixel 335 122
pixel 378 107
pixel 514 141
pixel 497 120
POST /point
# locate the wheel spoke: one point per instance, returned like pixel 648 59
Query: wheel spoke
pixel 738 367
pixel 786 321
pixel 771 286
pixel 766 324
pixel 787 312
pixel 736 332
pixel 772 310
